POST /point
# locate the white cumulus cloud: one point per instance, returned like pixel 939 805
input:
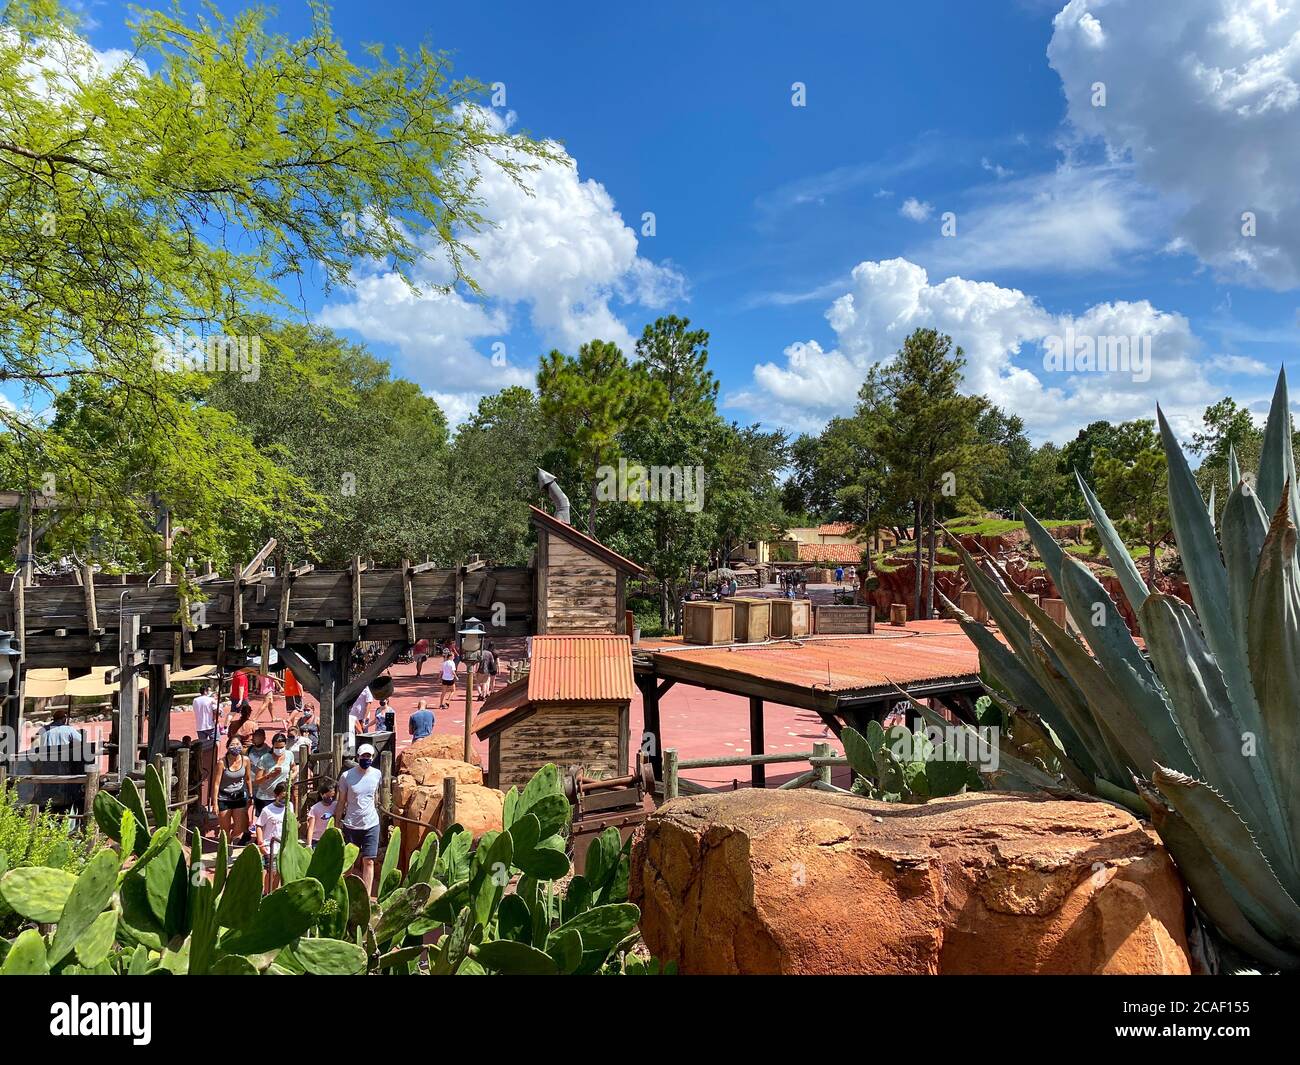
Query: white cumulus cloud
pixel 1203 96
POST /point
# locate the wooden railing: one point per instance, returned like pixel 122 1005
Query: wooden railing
pixel 820 759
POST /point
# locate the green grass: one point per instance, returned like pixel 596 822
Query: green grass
pixel 998 526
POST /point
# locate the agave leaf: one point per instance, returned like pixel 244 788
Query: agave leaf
pixel 1111 706
pixel 1117 654
pixel 1234 468
pixel 1135 588
pixel 1277 476
pixel 1208 579
pixel 1027 693
pixel 1242 533
pixel 1208 884
pixel 1049 551
pixel 1229 841
pixel 1210 507
pixel 1273 635
pixel 1208 723
pixel 1014 627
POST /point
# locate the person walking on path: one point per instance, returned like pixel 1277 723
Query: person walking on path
pixel 358 816
pixel 270 829
pixel 421 652
pixel 321 813
pixel 270 770
pixel 234 793
pixel 448 681
pixel 487 669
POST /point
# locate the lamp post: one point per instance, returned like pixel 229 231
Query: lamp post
pixel 471 643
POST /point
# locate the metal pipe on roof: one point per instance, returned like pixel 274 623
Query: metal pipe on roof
pixel 551 486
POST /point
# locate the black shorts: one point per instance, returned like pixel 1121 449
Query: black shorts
pixel 293 704
pixel 449 684
pixel 365 838
pixel 238 803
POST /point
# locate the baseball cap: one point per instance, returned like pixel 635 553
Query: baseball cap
pixel 365 748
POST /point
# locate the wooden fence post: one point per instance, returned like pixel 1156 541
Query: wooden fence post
pixel 448 802
pixel 822 750
pixel 183 782
pixel 670 773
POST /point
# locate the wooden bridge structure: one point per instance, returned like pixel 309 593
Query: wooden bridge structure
pixel 312 619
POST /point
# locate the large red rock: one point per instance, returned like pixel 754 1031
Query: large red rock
pixel 436 745
pixel 757 881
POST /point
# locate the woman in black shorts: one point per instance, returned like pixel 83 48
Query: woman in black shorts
pixel 233 790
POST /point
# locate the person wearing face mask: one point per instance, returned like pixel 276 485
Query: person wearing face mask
pixel 270 770
pixel 270 829
pixel 233 790
pixel 357 813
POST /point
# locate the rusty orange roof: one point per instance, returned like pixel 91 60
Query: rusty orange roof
pixel 501 704
pixel 914 656
pixel 581 669
pixel 835 528
pixel 830 553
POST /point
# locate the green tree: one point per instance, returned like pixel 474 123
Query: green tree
pixel 677 357
pixel 1134 491
pixel 1123 441
pixel 591 402
pixel 171 193
pixel 928 437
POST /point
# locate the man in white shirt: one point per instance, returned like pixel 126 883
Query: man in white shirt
pixel 358 711
pixel 357 814
pixel 205 717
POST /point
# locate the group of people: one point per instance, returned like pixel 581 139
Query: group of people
pixel 794 583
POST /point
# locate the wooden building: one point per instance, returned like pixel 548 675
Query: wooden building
pixel 571 709
pixel 581 583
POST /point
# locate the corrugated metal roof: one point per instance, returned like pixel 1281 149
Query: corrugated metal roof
pixel 923 651
pixel 581 669
pixel 501 703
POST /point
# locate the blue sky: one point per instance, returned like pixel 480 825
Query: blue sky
pixel 808 239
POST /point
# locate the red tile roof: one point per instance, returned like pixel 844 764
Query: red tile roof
pixel 565 669
pixel 839 553
pixel 835 528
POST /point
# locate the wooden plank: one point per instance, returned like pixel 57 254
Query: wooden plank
pixel 356 597
pixel 282 617
pixel 127 696
pixel 408 600
pixel 88 593
pixel 259 560
pixel 237 607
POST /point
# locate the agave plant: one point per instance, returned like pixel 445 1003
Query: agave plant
pixel 1202 732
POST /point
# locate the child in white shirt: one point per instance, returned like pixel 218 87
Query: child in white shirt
pixel 270 828
pixel 321 814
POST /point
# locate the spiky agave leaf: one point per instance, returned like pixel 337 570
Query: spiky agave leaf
pixel 1226 836
pixel 1273 637
pixel 1135 588
pixel 1277 476
pixel 1206 718
pixel 1209 884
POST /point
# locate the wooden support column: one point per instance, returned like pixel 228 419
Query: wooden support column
pixel 128 727
pixel 650 720
pixel 757 773
pixel 160 710
pixel 328 677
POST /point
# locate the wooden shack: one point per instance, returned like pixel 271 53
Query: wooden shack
pixel 581 583
pixel 571 709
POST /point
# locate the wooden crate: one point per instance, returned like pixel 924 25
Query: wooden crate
pixel 709 623
pixel 753 619
pixel 845 620
pixel 972 605
pixel 791 617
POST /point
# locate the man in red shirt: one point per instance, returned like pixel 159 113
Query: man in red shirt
pixel 292 694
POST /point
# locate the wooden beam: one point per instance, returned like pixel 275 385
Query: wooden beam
pixel 348 693
pixel 357 621
pixel 757 772
pixel 282 616
pixel 259 560
pixel 128 727
pixel 295 657
pixel 408 600
pixel 92 609
pixel 237 606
